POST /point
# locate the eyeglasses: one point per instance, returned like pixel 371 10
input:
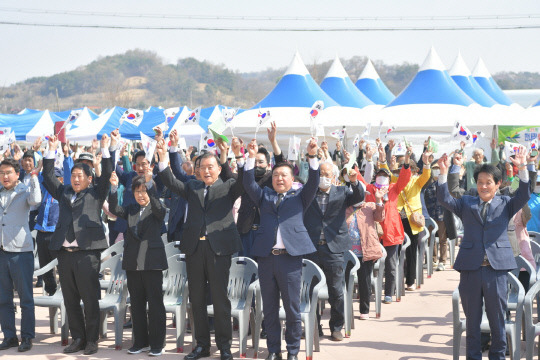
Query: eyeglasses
pixel 6 173
pixel 140 192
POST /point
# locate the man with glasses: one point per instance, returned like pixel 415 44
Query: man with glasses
pixel 16 254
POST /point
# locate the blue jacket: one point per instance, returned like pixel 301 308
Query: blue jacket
pixel 289 216
pixel 48 212
pixel 490 238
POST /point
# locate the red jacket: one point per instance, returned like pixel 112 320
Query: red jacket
pixel 392 226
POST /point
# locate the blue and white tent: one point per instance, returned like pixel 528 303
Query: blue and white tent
pixel 461 74
pixel 27 111
pixel 30 126
pixel 290 104
pixel 105 123
pixel 484 79
pixel 430 105
pixel 339 86
pixel 371 85
pixel 77 117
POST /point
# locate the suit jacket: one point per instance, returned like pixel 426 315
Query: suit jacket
pixel 143 247
pixel 481 238
pixel 221 230
pixel 84 214
pixel 289 216
pixel 332 222
pixel 178 204
pixel 15 231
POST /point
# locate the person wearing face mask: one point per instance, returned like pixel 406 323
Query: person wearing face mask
pixel 436 212
pixel 392 226
pixel 361 218
pixel 327 229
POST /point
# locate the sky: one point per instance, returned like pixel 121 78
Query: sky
pixel 30 51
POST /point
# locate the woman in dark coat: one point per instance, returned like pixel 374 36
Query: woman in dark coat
pixel 144 260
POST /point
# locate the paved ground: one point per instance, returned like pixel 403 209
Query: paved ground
pixel 418 327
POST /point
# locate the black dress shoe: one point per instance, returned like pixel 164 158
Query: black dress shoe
pixel 263 334
pixel 226 354
pixel 76 345
pixel 292 356
pixel 91 348
pixel 9 343
pixel 26 344
pixel 273 356
pixel 197 353
pixel 39 283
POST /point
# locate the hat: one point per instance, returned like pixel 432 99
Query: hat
pixel 385 171
pixel 86 156
pixel 58 172
pixel 28 153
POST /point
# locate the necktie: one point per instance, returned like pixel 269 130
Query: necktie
pixel 484 211
pixel 279 198
pixel 206 196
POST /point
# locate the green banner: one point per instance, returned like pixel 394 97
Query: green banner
pixel 519 134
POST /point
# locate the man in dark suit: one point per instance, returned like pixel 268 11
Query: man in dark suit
pixel 79 238
pixel 325 221
pixel 209 238
pixel 280 243
pixel 485 255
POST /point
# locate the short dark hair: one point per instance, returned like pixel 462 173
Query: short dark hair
pixel 13 163
pixel 84 167
pixel 137 182
pixel 265 153
pixel 28 153
pixel 284 164
pixel 138 154
pixel 490 170
pixel 209 155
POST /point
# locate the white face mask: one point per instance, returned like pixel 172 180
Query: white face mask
pixel 382 180
pixel 325 182
pixel 537 189
pixel 435 173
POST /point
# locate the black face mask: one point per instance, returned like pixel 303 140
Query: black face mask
pixel 259 171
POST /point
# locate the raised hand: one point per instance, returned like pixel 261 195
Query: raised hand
pixel 37 144
pixel 392 163
pixel 123 150
pixel 426 155
pixel 382 154
pixel 532 159
pixel 148 174
pixel 346 156
pixel 65 148
pixel 252 148
pixel 161 150
pixel 236 145
pixel 458 159
pixel 173 138
pixel 222 145
pixel 312 147
pixel 115 138
pixel 189 151
pixel 97 160
pixel 53 143
pixel 159 133
pixel 493 144
pixel 369 152
pixel 353 175
pixel 105 141
pixel 391 144
pixel 114 179
pixel 272 131
pixel 444 164
pixel 379 194
pixel 94 147
pixel 17 152
pixel 462 144
pixel 520 157
pixel 361 144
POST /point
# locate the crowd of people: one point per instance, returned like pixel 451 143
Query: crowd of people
pixel 254 204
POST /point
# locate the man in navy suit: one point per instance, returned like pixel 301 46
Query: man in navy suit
pixel 485 255
pixel 280 243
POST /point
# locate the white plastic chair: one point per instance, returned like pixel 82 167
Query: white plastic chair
pixel 55 304
pixel 114 299
pixel 175 297
pixel 117 248
pixel 433 241
pixel 400 276
pixel 377 282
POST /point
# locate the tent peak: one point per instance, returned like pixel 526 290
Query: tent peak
pixel 297 67
pixel 459 68
pixel 480 69
pixel 336 70
pixel 432 62
pixel 369 71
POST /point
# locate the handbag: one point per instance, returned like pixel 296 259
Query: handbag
pixel 416 216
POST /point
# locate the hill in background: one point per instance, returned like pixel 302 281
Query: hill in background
pixel 139 78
